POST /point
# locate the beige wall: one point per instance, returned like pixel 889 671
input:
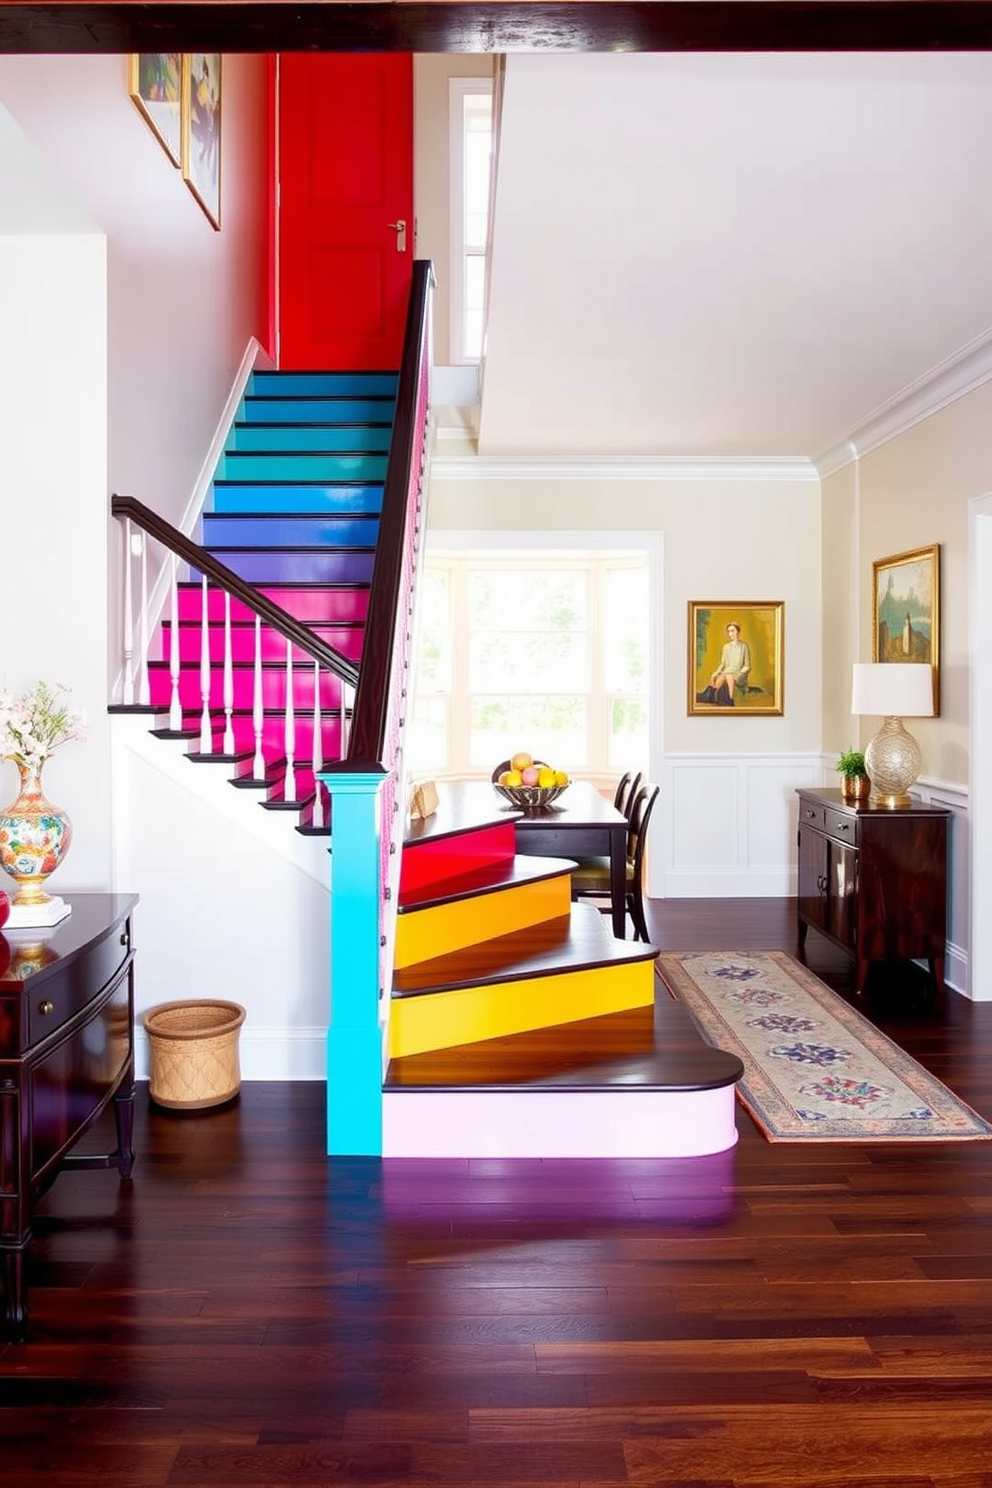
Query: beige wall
pixel 726 540
pixel 431 175
pixel 914 491
pixel 841 607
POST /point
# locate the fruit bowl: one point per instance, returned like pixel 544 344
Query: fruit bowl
pixel 530 797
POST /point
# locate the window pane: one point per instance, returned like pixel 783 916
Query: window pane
pixel 434 646
pixel 427 736
pixel 552 729
pixel 626 626
pixel 475 291
pixel 628 742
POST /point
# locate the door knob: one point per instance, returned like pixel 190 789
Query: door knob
pixel 399 228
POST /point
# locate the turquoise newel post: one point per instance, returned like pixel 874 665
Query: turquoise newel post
pixel 354 1035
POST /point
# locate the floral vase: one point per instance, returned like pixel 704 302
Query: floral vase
pixel 34 837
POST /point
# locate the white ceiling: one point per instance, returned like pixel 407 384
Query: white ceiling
pixel 731 255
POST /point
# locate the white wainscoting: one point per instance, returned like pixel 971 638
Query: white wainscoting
pixel 728 824
pixel 955 798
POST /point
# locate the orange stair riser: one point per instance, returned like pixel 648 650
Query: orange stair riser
pixel 444 1020
pixel 441 858
pixel 422 934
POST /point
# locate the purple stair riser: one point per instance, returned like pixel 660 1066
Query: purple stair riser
pixel 309 605
pixel 273 688
pixel 303 566
pixel 348 642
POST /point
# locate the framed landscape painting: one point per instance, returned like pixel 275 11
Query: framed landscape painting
pixel 202 130
pixel 906 611
pixel 155 84
pixel 736 657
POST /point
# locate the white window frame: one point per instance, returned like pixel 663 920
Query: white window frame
pixel 649 545
pixel 458 90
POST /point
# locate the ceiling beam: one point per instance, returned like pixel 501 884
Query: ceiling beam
pixel 81 26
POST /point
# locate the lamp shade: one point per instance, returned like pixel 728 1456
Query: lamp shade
pixel 893 689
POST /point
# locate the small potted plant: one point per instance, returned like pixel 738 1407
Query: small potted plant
pixel 854 782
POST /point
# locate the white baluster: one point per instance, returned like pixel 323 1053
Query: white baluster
pixel 317 751
pixel 175 706
pixel 228 679
pixel 257 708
pixel 144 681
pixel 206 732
pixel 289 730
pixel 128 619
pixel 347 703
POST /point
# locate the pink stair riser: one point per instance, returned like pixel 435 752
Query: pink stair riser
pixel 243 679
pixel 273 737
pixel 312 605
pixel 347 641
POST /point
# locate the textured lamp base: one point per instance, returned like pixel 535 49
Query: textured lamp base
pixel 893 761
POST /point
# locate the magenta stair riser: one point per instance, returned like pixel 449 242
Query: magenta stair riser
pixel 243 679
pixel 311 605
pixel 273 736
pixel 347 641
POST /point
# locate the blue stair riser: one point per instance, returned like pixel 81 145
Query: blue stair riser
pixel 274 410
pixel 249 531
pixel 284 467
pixel 310 438
pixel 306 566
pixel 232 497
pixel 324 384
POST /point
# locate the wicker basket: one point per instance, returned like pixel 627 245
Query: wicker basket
pixel 194 1053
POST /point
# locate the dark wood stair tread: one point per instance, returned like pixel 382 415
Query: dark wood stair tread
pixel 577 942
pixel 453 818
pixel 652 1048
pixel 487 879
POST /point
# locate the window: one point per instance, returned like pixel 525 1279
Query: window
pixel 547 653
pixel 471 159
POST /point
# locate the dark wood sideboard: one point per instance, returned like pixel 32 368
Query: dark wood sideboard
pixel 874 879
pixel 66 1052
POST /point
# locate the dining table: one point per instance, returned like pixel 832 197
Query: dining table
pixel 579 824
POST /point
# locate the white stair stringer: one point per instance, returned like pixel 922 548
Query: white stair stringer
pixel 512 1123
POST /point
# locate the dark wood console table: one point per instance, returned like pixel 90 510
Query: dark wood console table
pixel 66 1052
pixel 874 879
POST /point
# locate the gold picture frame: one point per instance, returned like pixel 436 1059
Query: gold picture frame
pixel 736 658
pixel 154 81
pixel 905 610
pixel 201 91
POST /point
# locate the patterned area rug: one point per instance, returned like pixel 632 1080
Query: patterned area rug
pixel 813 1066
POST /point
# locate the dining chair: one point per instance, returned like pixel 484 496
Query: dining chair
pixel 591 878
pixel 627 790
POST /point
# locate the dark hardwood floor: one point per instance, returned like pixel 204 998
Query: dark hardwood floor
pixel 247 1312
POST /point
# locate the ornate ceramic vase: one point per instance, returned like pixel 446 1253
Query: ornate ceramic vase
pixel 34 837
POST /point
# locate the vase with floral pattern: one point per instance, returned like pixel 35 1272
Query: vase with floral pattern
pixel 34 837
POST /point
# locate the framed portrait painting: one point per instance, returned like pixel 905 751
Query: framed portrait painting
pixel 736 657
pixel 905 617
pixel 155 84
pixel 202 130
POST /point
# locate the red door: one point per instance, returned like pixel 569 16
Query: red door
pixel 345 208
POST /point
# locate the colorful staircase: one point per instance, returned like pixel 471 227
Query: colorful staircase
pixel 294 511
pixel 518 1025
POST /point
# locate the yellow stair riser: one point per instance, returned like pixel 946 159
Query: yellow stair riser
pixel 443 1020
pixel 422 934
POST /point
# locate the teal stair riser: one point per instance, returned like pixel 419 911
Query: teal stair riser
pixel 271 410
pixel 310 438
pixel 324 384
pixel 303 467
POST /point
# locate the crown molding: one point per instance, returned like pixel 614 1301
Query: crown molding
pixel 618 468
pixel 951 379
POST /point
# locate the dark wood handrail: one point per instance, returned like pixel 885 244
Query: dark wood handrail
pixel 184 547
pixel 374 700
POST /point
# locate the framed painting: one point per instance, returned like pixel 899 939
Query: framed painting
pixel 736 657
pixel 201 90
pixel 905 615
pixel 155 84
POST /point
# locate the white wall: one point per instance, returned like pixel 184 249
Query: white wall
pixel 124 317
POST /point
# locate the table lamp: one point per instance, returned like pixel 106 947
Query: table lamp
pixel 892 690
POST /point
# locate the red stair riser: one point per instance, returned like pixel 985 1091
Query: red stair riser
pixel 243 678
pixel 441 858
pixel 312 605
pixel 348 642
